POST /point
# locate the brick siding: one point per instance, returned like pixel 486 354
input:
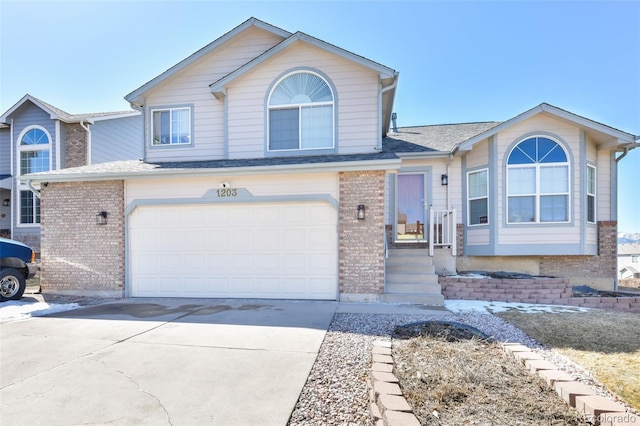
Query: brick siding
pixel 79 256
pixel 361 242
pixel 601 266
pixel 76 145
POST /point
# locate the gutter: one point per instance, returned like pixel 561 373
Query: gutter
pixel 628 148
pixel 33 189
pixel 384 90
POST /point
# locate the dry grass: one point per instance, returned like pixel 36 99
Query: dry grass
pixel 470 381
pixel 605 343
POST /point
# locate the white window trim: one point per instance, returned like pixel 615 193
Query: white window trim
pixel 152 110
pixel 538 193
pixel 299 106
pixel 21 186
pixel 469 198
pixel 594 194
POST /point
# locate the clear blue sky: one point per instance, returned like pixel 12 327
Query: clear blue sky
pixel 458 61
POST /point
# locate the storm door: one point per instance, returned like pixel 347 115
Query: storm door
pixel 410 202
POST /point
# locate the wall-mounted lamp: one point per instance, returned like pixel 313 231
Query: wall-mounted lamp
pixel 101 218
pixel 361 212
pixel 6 202
pixel 444 179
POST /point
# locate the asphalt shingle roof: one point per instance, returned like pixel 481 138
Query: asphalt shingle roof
pixel 442 137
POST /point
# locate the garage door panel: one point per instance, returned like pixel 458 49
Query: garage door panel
pixel 271 250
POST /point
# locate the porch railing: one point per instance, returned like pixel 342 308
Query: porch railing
pixel 442 230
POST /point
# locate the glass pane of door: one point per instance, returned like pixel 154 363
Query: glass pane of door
pixel 410 216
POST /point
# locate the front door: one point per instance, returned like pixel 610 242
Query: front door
pixel 410 218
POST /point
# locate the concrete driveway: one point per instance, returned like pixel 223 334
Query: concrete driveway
pixel 161 361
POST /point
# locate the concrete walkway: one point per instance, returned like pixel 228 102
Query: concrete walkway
pixel 161 361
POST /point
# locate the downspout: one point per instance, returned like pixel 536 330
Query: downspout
pixel 88 141
pixel 382 92
pixel 33 189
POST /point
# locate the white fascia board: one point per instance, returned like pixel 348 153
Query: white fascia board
pixel 425 155
pixel 217 88
pixel 115 116
pixel 134 97
pixel 347 166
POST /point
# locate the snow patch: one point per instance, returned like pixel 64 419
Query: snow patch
pixel 19 310
pixel 491 307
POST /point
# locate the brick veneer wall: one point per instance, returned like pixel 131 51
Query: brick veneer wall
pixel 601 266
pixel 78 256
pixel 361 242
pixel 552 291
pixel 76 145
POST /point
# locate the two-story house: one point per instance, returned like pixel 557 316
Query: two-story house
pixel 270 170
pixel 38 137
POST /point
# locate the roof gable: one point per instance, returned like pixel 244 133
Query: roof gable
pixel 134 97
pixel 623 138
pixel 386 73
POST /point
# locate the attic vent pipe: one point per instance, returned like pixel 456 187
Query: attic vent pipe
pixel 394 116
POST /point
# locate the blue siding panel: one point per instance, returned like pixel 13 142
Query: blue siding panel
pixel 117 139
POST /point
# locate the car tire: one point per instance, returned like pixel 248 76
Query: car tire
pixel 12 284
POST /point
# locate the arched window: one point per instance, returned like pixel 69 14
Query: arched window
pixel 34 148
pixel 537 182
pixel 301 113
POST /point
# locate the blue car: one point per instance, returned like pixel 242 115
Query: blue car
pixel 17 265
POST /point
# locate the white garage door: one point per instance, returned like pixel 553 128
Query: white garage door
pixel 266 250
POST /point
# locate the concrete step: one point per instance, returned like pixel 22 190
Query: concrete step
pixel 432 299
pixel 412 288
pixel 409 253
pixel 408 278
pixel 410 267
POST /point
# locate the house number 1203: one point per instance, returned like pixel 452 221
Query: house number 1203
pixel 227 192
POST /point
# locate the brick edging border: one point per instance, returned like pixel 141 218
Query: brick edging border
pixel 388 407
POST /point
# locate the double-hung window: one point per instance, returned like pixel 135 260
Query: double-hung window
pixel 34 155
pixel 478 198
pixel 171 126
pixel 301 114
pixel 591 194
pixel 537 182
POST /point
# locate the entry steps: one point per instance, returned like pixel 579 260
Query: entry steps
pixel 410 278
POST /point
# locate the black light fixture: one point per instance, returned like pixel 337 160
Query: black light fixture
pixel 444 179
pixel 6 202
pixel 101 218
pixel 360 211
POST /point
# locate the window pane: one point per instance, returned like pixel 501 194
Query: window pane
pixel 591 180
pixel 522 180
pixel 478 184
pixel 524 153
pixel 553 208
pixel 554 179
pixel 26 207
pixel 317 127
pixel 161 126
pixel 478 212
pixel 591 208
pixel 34 161
pixel 550 152
pixel 35 137
pixel 283 129
pixel 521 209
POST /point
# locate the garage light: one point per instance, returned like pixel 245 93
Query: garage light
pixel 361 212
pixel 444 179
pixel 101 218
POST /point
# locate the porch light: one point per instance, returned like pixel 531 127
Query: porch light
pixel 6 202
pixel 361 212
pixel 444 179
pixel 101 218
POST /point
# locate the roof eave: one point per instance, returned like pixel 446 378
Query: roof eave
pixel 385 164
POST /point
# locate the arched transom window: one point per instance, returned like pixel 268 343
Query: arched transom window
pixel 538 182
pixel 301 113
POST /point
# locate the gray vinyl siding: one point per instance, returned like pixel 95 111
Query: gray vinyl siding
pixel 117 139
pixel 5 151
pixel 31 115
